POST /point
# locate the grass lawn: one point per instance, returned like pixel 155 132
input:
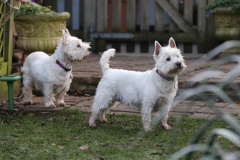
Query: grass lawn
pixel 65 135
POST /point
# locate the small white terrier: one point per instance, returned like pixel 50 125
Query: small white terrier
pixel 53 74
pixel 147 91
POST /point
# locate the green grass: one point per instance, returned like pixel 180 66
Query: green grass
pixel 59 135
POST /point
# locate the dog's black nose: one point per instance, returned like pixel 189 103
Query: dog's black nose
pixel 90 49
pixel 179 64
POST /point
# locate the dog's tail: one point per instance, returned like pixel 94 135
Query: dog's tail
pixel 104 61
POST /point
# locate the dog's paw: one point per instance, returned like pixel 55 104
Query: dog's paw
pixel 148 129
pixel 28 103
pixel 166 127
pixel 103 120
pixel 62 104
pixel 92 125
pixel 51 106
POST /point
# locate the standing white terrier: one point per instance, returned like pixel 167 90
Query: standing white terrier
pixel 147 91
pixel 53 74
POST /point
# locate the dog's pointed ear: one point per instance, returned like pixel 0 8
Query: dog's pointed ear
pixel 66 30
pixel 65 37
pixel 157 48
pixel 172 43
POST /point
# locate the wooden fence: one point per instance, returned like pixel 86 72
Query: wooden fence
pixel 132 26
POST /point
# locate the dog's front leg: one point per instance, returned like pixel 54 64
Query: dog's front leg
pixel 164 120
pixel 48 96
pixel 146 117
pixel 60 97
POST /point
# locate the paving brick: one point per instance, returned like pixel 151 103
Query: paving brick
pixel 200 115
pixel 123 108
pixel 221 104
pixel 181 114
pixel 233 106
pixel 84 104
pixel 230 111
pixel 206 110
pixel 199 103
pixel 187 108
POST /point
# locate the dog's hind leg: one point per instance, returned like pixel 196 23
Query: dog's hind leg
pixel 100 105
pixel 48 96
pixel 101 116
pixel 97 112
pixel 27 89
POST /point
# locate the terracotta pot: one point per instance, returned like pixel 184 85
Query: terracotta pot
pixel 227 24
pixel 40 32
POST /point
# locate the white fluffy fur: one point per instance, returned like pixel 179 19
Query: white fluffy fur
pixel 42 71
pixel 146 91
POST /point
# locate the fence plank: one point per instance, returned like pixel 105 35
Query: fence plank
pixel 68 7
pixel 188 10
pixel 172 25
pixel 89 16
pixel 131 22
pixel 211 39
pixel 144 15
pixel 177 17
pixel 131 15
pixel 101 22
pixel 202 25
pixel 159 17
pixel 101 15
pixel 116 18
pixel 188 15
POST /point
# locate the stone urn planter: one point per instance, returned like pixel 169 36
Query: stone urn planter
pixel 227 24
pixel 40 32
pixel 227 27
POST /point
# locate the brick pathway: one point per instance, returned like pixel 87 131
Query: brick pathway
pixel 88 73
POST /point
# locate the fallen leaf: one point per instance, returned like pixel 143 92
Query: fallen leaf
pixel 84 147
pixel 76 138
pixel 90 156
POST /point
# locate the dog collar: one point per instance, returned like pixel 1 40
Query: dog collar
pixel 62 66
pixel 165 77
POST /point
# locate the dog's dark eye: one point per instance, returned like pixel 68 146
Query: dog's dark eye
pixel 78 46
pixel 168 59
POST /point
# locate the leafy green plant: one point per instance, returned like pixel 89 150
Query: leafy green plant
pixel 211 148
pixel 29 8
pixel 234 4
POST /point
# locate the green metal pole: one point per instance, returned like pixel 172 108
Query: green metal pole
pixel 10 40
pixel 10 80
pixel 10 95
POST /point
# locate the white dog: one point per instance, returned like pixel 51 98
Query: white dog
pixel 147 91
pixel 53 74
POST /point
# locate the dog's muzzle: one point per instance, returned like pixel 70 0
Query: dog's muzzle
pixel 89 49
pixel 179 65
